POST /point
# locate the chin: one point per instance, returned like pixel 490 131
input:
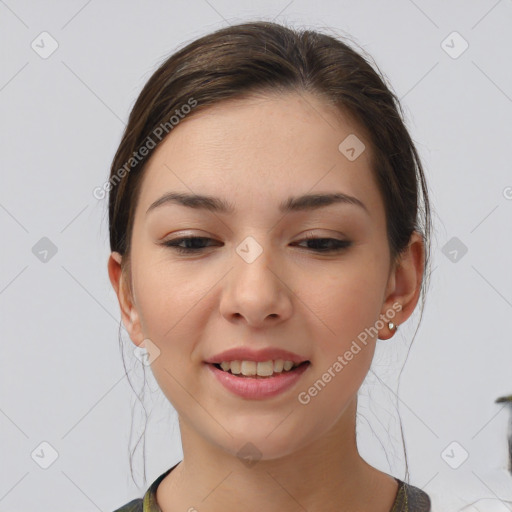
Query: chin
pixel 252 445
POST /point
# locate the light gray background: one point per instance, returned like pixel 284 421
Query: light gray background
pixel 61 374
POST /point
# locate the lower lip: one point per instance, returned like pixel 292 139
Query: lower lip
pixel 258 388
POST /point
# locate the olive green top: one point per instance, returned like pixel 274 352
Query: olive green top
pixel 408 498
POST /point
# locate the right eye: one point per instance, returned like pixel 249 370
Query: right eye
pixel 189 240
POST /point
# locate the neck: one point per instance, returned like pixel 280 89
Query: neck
pixel 327 474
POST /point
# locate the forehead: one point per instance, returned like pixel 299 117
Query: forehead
pixel 261 148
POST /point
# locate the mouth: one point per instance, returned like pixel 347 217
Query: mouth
pixel 265 370
pixel 253 380
pixel 257 374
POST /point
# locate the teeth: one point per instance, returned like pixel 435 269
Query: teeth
pixel 225 365
pixel 278 365
pixel 288 365
pixel 249 368
pixel 262 369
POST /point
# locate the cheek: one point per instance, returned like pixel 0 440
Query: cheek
pixel 173 305
pixel 167 297
pixel 348 307
pixel 345 302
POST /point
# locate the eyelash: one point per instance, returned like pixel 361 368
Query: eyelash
pixel 173 244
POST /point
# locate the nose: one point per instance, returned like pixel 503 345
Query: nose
pixel 257 292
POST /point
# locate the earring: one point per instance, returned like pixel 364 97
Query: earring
pixel 392 326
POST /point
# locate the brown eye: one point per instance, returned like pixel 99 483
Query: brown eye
pixel 196 243
pixel 327 244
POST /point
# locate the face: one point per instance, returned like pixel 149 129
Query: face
pixel 253 279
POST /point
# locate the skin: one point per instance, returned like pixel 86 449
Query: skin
pixel 255 153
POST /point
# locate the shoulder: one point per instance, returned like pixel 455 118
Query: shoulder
pixel 132 506
pixel 148 501
pixel 411 499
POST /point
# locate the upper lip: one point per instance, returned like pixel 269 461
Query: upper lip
pixel 249 354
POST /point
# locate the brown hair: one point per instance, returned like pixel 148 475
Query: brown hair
pixel 260 57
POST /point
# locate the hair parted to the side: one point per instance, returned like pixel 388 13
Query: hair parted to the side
pixel 266 57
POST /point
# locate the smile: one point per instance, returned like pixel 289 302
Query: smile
pixel 243 378
pixel 259 369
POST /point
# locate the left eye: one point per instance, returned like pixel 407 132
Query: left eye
pixel 335 244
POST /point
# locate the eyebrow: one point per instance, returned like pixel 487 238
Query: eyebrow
pixel 292 204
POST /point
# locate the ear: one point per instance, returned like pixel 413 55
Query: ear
pixel 404 285
pixel 129 314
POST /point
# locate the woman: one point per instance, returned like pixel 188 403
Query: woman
pixel 265 230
